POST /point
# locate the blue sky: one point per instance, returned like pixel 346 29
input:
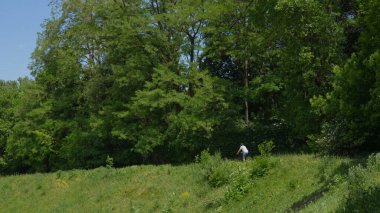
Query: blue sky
pixel 20 20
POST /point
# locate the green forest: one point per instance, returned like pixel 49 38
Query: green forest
pixel 159 81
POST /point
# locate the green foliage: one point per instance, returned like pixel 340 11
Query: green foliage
pixel 335 137
pixel 8 100
pixel 142 188
pixel 239 179
pixel 149 81
pixel 30 144
pixel 240 184
pixel 180 188
pixel 266 148
pixel 262 165
pixel 164 115
pixel 216 171
pixel 350 109
pixel 275 129
pixel 109 162
pixel 3 164
pixel 363 187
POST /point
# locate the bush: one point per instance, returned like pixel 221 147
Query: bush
pixel 220 175
pixel 109 162
pixel 266 148
pixel 373 163
pixel 239 185
pixel 261 166
pixel 363 187
pixel 275 129
pixel 336 137
pixel 204 158
pixel 3 164
pixel 215 170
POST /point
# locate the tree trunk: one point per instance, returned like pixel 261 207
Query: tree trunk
pixel 246 108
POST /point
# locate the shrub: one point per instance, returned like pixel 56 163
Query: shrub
pixel 363 187
pixel 204 159
pixel 3 164
pixel 215 170
pixel 275 129
pixel 335 137
pixel 266 148
pixel 240 184
pixel 373 163
pixel 261 166
pixel 330 174
pixel 109 162
pixel 220 175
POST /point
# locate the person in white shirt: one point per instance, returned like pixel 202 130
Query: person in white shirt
pixel 244 151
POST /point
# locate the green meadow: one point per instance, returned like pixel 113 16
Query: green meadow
pixel 123 94
pixel 283 183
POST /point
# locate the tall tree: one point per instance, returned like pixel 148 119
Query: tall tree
pixel 351 108
pixel 174 110
pixel 8 95
pixel 30 144
pixel 230 35
pixel 289 47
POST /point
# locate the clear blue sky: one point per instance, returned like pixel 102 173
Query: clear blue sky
pixel 20 20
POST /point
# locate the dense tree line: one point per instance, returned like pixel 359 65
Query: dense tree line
pixel 155 81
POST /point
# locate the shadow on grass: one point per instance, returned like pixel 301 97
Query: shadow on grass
pixel 299 205
pixel 326 177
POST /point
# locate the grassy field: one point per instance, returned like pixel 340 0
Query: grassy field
pixel 286 183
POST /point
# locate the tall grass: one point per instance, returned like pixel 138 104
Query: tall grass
pixel 286 183
pixel 132 189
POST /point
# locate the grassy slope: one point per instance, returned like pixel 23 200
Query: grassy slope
pixel 132 189
pixel 294 180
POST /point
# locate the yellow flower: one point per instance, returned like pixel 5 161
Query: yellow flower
pixel 185 194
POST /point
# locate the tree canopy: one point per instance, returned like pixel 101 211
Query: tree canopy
pixel 158 81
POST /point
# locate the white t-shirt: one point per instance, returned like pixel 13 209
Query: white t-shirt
pixel 244 149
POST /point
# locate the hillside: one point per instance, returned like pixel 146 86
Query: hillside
pixel 305 183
